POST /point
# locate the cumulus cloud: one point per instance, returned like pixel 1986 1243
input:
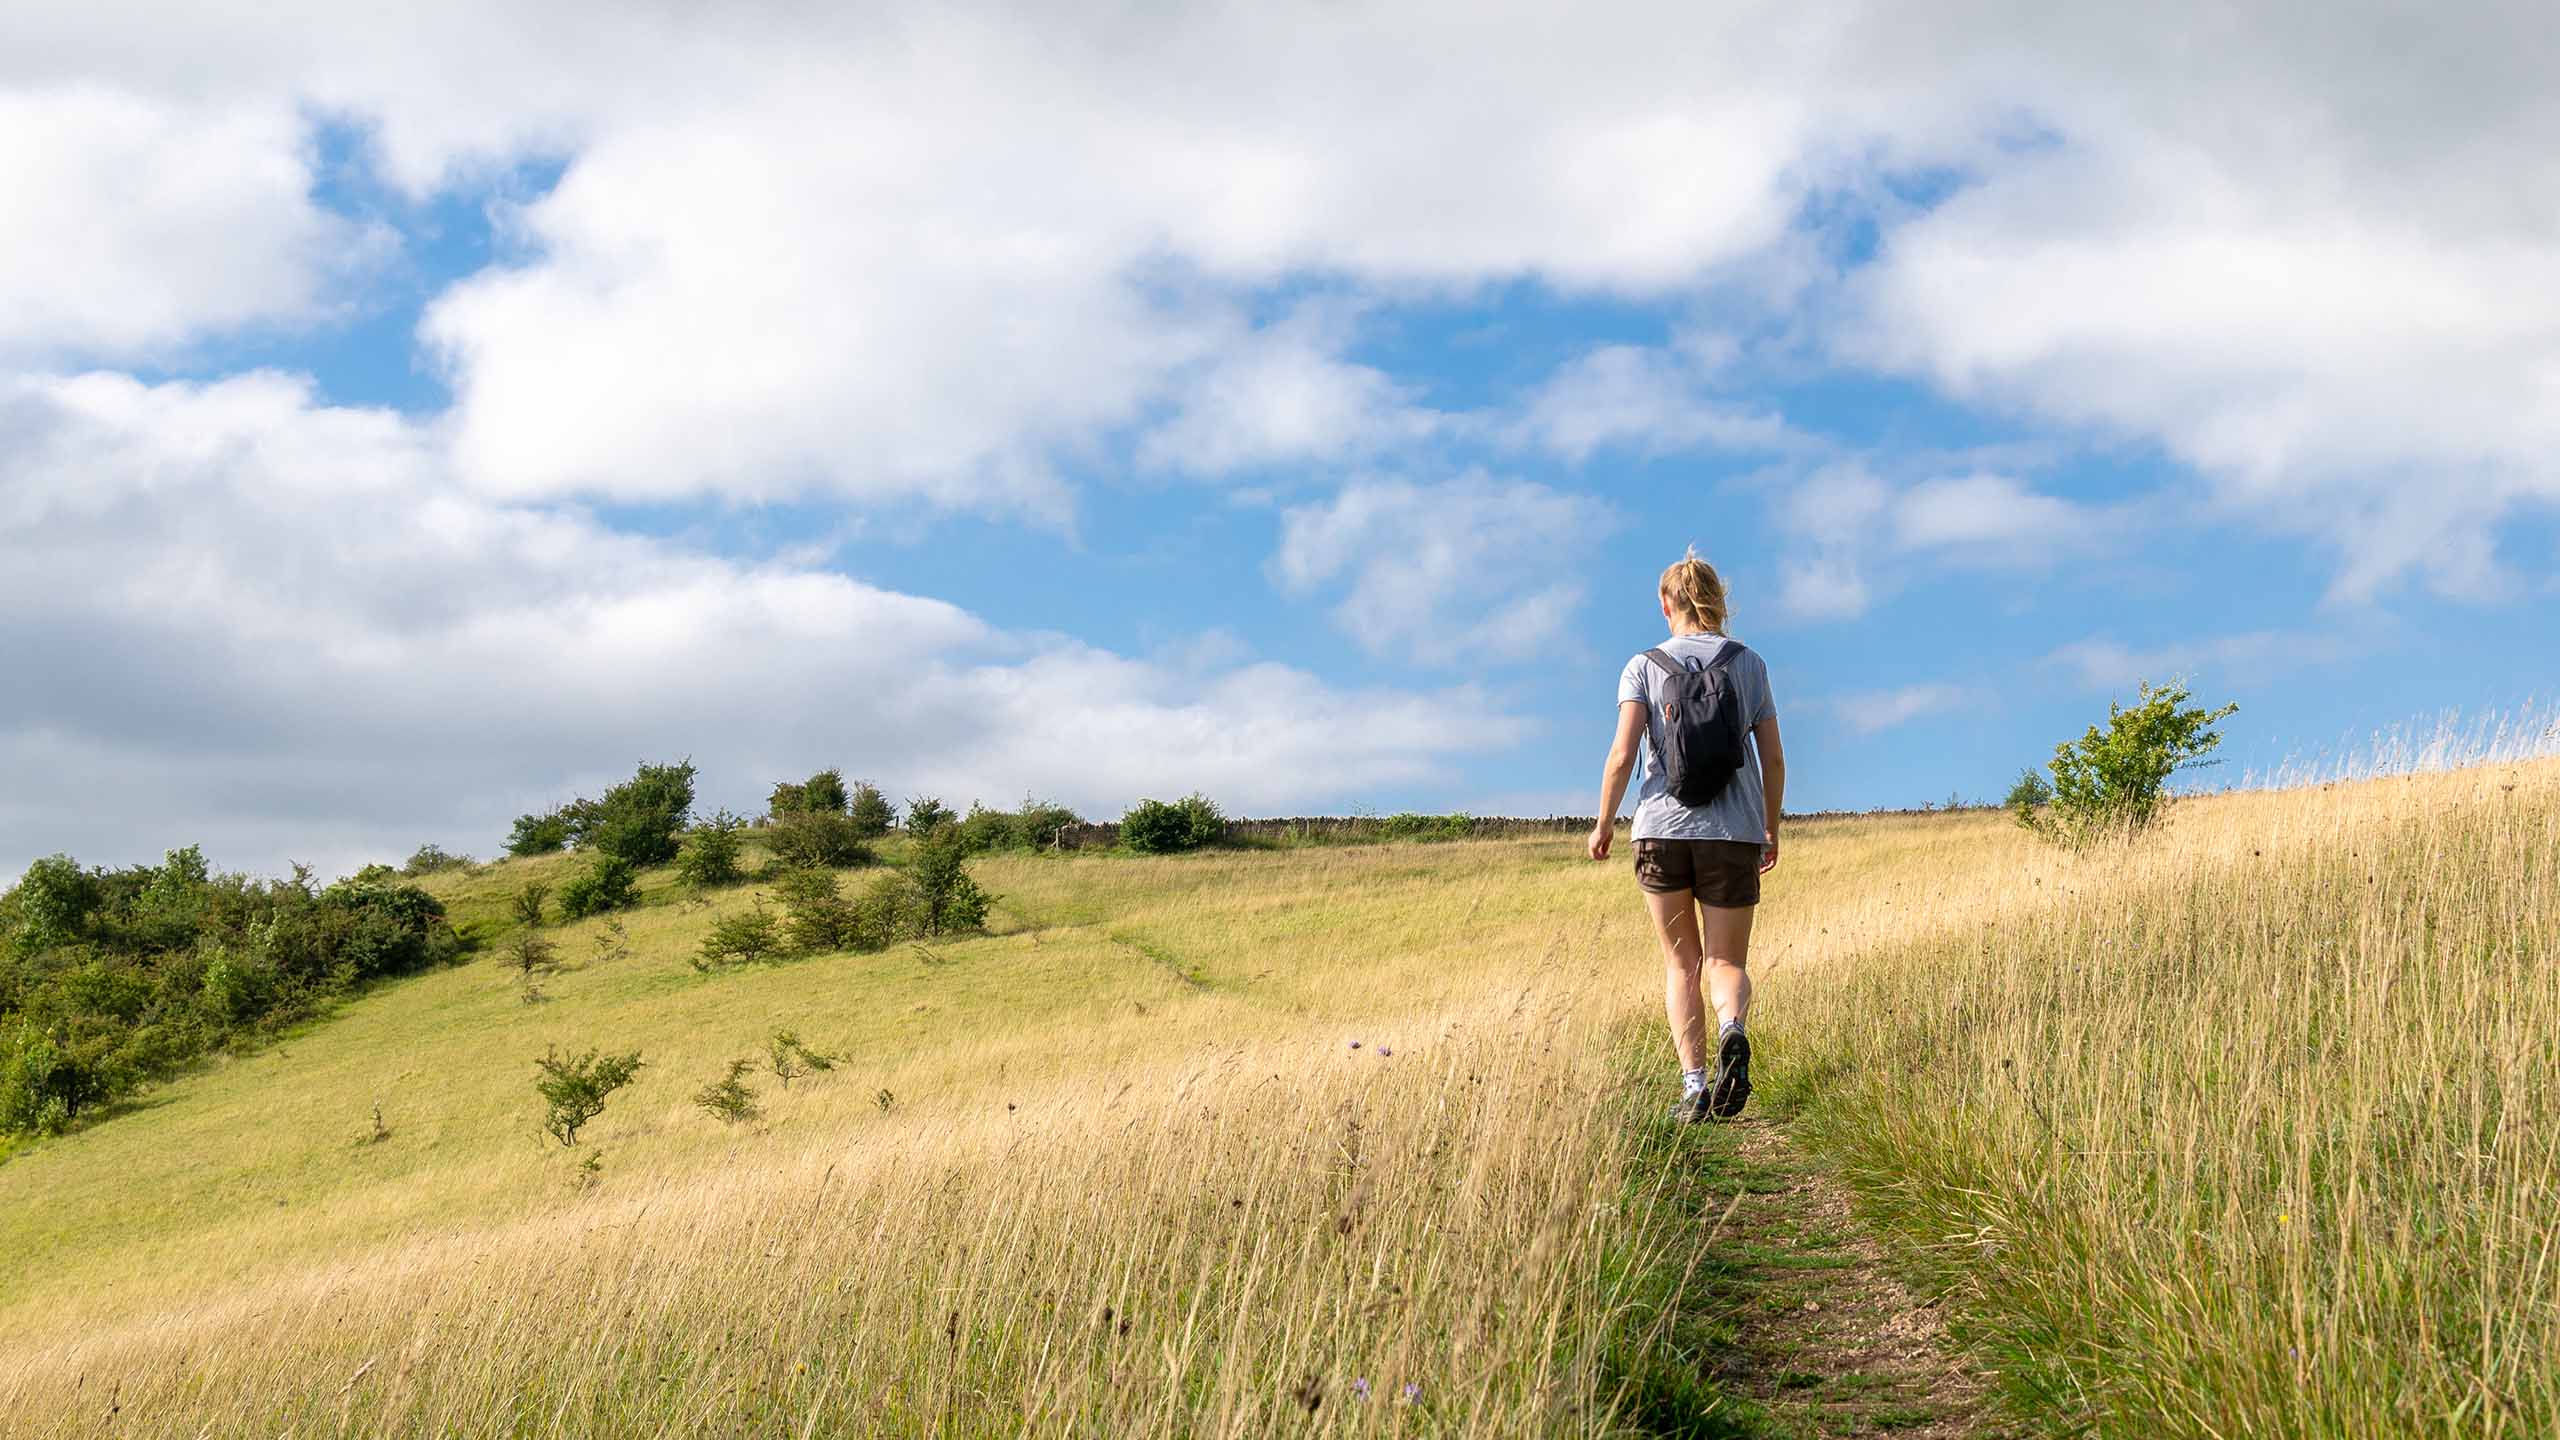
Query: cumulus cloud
pixel 2318 259
pixel 279 627
pixel 1455 572
pixel 136 224
pixel 945 252
pixel 1282 394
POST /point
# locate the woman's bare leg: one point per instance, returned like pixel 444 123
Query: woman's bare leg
pixel 1728 953
pixel 1675 924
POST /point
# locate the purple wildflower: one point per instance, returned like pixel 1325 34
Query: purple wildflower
pixel 1412 1393
pixel 1384 1051
pixel 1359 1387
pixel 1355 1044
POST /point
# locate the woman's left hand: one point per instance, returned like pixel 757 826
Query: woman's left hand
pixel 1600 836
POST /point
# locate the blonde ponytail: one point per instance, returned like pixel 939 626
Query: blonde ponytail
pixel 1696 592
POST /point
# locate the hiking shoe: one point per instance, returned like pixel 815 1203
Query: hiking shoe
pixel 1733 1076
pixel 1691 1109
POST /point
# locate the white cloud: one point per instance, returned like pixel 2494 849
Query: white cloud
pixel 1874 711
pixel 134 225
pixel 280 628
pixel 1457 572
pixel 1282 394
pixel 939 252
pixel 1982 510
pixel 1856 535
pixel 1644 399
pixel 933 251
pixel 2318 258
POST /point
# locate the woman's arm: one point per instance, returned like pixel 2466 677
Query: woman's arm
pixel 1614 776
pixel 1773 785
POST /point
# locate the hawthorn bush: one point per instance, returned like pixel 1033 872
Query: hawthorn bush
pixel 2114 781
pixel 710 857
pixel 1155 827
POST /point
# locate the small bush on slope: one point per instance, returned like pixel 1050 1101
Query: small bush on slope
pixel 730 1099
pixel 610 884
pixel 871 811
pixel 1156 827
pixel 818 837
pixel 746 938
pixel 2114 781
pixel 573 1088
pixel 710 857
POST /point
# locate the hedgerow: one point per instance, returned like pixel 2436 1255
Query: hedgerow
pixel 110 979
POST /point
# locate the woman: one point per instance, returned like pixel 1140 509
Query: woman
pixel 1699 857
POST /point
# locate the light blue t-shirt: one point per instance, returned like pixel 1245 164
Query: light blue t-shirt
pixel 1736 814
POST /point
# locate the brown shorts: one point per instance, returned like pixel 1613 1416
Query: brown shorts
pixel 1722 873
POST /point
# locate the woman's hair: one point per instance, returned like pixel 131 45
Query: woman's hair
pixel 1696 592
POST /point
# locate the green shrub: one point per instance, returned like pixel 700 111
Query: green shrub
pixel 820 838
pixel 573 1088
pixel 610 884
pixel 235 989
pixel 1154 827
pixel 948 899
pixel 2114 781
pixel 1040 822
pixel 982 830
pixel 1410 826
pixel 431 858
pixel 532 957
pixel 112 979
pixel 790 1059
pixel 890 909
pixel 710 857
pixel 52 903
pixel 611 942
pixel 823 792
pixel 749 937
pixel 47 1084
pixel 2029 795
pixel 638 820
pixel 925 815
pixel 872 813
pixel 539 834
pixel 729 1099
pixel 816 918
pixel 527 903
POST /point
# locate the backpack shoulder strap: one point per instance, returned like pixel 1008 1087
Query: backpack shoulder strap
pixel 1664 663
pixel 1732 647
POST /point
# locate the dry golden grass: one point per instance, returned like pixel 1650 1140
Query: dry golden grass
pixel 1135 1182
pixel 2255 1132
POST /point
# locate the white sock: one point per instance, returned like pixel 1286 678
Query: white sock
pixel 1692 1081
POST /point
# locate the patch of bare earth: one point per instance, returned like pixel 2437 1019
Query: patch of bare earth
pixel 1828 1341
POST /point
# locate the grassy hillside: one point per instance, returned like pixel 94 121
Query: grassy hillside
pixel 1132 1177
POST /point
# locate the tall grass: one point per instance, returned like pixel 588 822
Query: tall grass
pixel 2253 1133
pixel 2242 1130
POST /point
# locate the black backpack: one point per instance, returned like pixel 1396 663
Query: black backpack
pixel 1700 744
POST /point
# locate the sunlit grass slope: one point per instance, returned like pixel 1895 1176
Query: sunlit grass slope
pixel 1131 1177
pixel 2255 1132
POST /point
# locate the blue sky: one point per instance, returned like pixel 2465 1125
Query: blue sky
pixel 1215 404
